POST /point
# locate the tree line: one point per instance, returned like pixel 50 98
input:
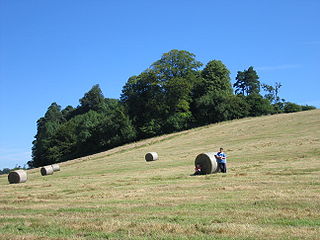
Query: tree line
pixel 8 170
pixel 175 93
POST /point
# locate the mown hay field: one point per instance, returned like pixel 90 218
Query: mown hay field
pixel 271 190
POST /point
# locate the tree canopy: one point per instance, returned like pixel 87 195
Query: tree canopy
pixel 95 125
pixel 173 94
pixel 247 82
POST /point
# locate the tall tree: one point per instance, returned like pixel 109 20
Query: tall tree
pixel 247 82
pixel 216 77
pixel 177 71
pixel 92 100
pixel 158 100
pixel 143 97
pixel 47 126
pixel 175 63
pixel 210 94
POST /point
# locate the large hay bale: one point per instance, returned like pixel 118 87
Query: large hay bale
pixel 17 176
pixel 55 167
pixel 151 156
pixel 46 170
pixel 208 162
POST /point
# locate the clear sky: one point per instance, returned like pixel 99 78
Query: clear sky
pixel 56 50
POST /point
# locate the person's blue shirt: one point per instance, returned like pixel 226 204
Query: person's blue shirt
pixel 222 154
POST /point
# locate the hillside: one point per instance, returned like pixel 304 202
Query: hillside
pixel 270 192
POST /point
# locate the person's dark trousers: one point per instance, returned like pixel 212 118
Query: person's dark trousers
pixel 222 167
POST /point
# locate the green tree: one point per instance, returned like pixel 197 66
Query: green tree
pixel 292 107
pixel 113 130
pixel 211 94
pixel 92 100
pixel 177 99
pixel 272 92
pixel 65 142
pixel 68 112
pixel 158 100
pixel 213 107
pixel 47 126
pixel 237 107
pixel 143 97
pixel 5 171
pixel 215 77
pixel 247 82
pixel 60 140
pixel 307 107
pixel 71 133
pixel 210 108
pixel 177 72
pixel 175 63
pixel 258 105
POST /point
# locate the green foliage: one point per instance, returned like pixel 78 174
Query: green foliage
pixel 113 130
pixel 92 100
pixel 175 63
pixel 279 106
pixel 291 107
pixel 238 107
pixel 5 171
pixel 215 107
pixel 171 95
pixel 8 170
pixel 94 126
pixel 212 94
pixel 151 128
pixel 307 107
pixel 158 100
pixel 272 92
pixel 177 73
pixel 143 98
pixel 210 108
pixel 177 99
pixel 68 112
pixel 247 82
pixel 177 121
pixel 215 77
pixel 47 127
pixel 258 105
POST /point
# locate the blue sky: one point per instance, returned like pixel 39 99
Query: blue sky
pixel 56 50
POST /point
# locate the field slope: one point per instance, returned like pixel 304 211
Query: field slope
pixel 272 189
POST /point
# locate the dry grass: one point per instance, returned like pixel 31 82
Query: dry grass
pixel 270 192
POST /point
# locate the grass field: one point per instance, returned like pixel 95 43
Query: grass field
pixel 272 189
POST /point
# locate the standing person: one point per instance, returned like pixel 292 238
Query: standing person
pixel 222 160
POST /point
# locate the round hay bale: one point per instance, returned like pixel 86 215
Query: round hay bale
pixel 208 162
pixel 17 176
pixel 46 170
pixel 151 156
pixel 55 167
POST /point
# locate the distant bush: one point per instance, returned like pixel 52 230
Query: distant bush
pixel 5 171
pixel 292 107
pixel 8 170
pixel 307 107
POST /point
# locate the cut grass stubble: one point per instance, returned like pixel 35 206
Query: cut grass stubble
pixel 270 192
